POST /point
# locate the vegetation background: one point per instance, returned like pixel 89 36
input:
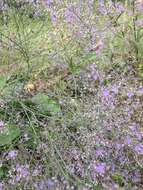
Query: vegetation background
pixel 71 94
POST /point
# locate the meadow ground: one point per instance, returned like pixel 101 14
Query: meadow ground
pixel 71 95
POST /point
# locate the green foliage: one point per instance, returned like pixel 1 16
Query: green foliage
pixel 9 87
pixel 118 179
pixel 97 187
pixel 45 104
pixel 32 141
pixel 1 173
pixel 2 82
pixel 9 134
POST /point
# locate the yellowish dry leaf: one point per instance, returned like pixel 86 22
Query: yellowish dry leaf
pixel 29 87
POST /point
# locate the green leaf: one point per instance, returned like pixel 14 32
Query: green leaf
pixel 88 58
pixel 2 82
pixel 97 187
pixel 45 103
pixel 1 173
pixel 6 90
pixel 9 134
pixel 74 68
pixel 117 178
pixel 32 141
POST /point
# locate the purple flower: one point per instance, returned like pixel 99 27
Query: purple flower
pixel 12 181
pixel 102 9
pixel 139 6
pixel 140 91
pixel 50 183
pixel 139 148
pixel 133 127
pixel 100 152
pixel 130 13
pixel 17 178
pixel 139 136
pixel 118 146
pixel 100 169
pixel 105 93
pixel 11 155
pixel 48 3
pixel 128 140
pixel 69 14
pixel 136 177
pixel 53 17
pixel 22 171
pixel 115 89
pixel 1 124
pixel 35 172
pixel 41 185
pixel 94 76
pixel 122 159
pixel 1 186
pixel 129 113
pixel 119 8
pixel 139 23
pixel 130 94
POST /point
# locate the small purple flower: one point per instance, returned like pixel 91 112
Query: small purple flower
pixel 22 171
pixel 11 181
pixel 1 124
pixel 120 8
pixel 139 148
pixel 48 3
pixel 133 127
pixel 100 152
pixel 136 177
pixel 53 17
pixel 94 76
pixel 118 146
pixel 11 155
pixel 17 178
pixel 35 1
pixel 105 93
pixel 139 136
pixel 69 15
pixel 140 91
pixel 129 113
pixel 50 183
pixel 122 159
pixel 128 140
pixel 36 171
pixel 1 186
pixel 139 6
pixel 102 9
pixel 100 169
pixel 115 89
pixel 139 23
pixel 130 94
pixel 41 185
pixel 130 13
